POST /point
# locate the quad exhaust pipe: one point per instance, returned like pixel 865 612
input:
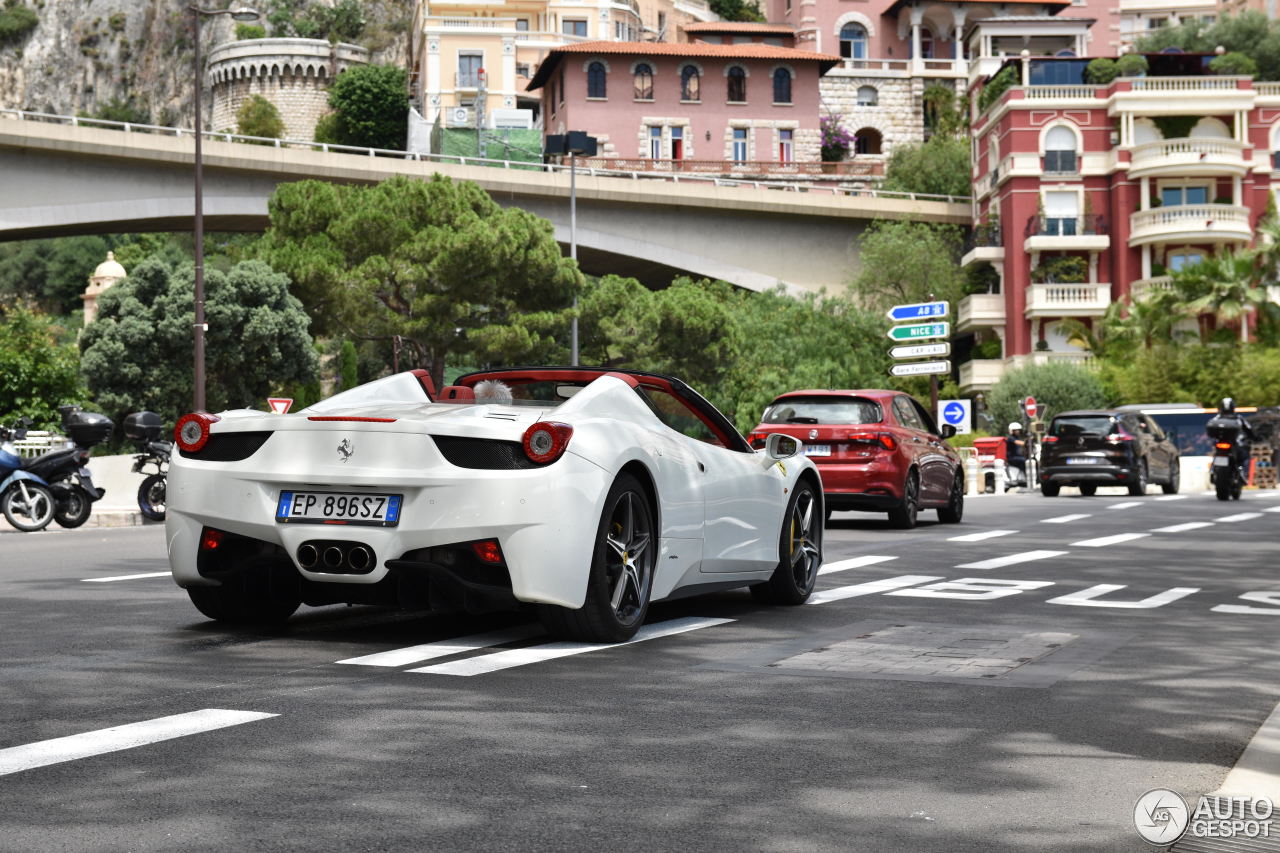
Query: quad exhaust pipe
pixel 348 558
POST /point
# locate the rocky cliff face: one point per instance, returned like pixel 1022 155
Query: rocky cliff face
pixel 85 56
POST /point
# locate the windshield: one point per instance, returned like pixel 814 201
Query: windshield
pixel 823 410
pixel 396 388
pixel 1098 425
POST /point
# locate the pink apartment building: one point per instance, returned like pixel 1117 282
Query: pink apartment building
pixel 677 104
pixel 1085 195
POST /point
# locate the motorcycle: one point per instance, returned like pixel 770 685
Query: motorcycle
pixel 1230 450
pixel 144 429
pixel 991 453
pixel 66 471
pixel 25 498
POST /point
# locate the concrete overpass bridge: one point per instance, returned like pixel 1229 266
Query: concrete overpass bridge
pixel 62 176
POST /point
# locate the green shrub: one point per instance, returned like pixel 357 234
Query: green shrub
pixel 327 129
pixel 988 349
pixel 1061 270
pixel 259 117
pixel 997 86
pixel 1132 65
pixel 1057 387
pixel 16 20
pixel 1101 71
pixel 250 31
pixel 1233 64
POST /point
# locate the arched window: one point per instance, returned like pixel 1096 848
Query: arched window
pixel 596 80
pixel 867 141
pixel 853 41
pixel 1210 128
pixel 868 96
pixel 781 86
pixel 926 43
pixel 1060 150
pixel 644 82
pixel 737 84
pixel 690 84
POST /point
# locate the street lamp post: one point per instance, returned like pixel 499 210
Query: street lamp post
pixel 573 143
pixel 200 326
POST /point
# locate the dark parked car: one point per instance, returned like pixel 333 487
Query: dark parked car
pixel 1107 448
pixel 876 451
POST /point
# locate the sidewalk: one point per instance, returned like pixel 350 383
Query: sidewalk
pixel 119 506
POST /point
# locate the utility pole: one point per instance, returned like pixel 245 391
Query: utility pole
pixel 482 97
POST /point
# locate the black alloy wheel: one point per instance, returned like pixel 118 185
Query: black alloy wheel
pixel 73 508
pixel 1175 480
pixel 799 551
pixel 905 515
pixel 1139 485
pixel 953 512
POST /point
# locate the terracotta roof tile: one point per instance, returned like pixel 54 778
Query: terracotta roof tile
pixel 740 27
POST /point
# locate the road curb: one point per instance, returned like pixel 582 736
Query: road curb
pixel 105 518
pixel 1257 772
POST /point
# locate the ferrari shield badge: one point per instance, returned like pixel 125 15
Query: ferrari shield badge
pixel 345 449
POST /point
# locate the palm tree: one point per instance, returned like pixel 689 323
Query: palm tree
pixel 1226 286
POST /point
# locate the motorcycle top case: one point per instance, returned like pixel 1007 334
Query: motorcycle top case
pixel 87 428
pixel 143 426
pixel 1222 429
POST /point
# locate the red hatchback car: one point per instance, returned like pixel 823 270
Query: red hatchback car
pixel 877 451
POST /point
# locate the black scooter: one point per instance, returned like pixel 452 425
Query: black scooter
pixel 144 429
pixel 65 470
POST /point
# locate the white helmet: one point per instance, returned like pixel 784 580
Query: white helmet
pixel 1015 427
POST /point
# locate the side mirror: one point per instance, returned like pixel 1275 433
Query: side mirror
pixel 947 431
pixel 778 446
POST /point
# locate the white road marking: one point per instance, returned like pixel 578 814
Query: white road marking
pixel 1182 528
pixel 972 589
pixel 978 537
pixel 853 563
pixel 1271 598
pixel 869 588
pixel 1172 498
pixel 128 577
pixel 1272 509
pixel 1063 519
pixel 1011 560
pixel 116 738
pixel 1092 597
pixel 1103 541
pixel 1125 505
pixel 550 651
pixel 1240 516
pixel 444 648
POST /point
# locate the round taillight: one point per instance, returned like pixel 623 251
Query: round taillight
pixel 192 431
pixel 545 441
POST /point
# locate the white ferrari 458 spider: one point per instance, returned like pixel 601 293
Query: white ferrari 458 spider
pixel 583 492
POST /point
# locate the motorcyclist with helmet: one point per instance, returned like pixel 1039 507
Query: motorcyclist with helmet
pixel 1228 419
pixel 1015 450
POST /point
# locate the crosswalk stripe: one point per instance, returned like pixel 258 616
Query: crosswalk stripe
pixel 1181 528
pixel 1172 498
pixel 869 588
pixel 1063 519
pixel 1240 516
pixel 1011 560
pixel 1103 541
pixel 978 537
pixel 1272 509
pixel 1125 505
pixel 127 577
pixel 116 738
pixel 853 563
pixel 550 651
pixel 444 648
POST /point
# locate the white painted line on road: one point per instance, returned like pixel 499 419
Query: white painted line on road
pixel 1063 519
pixel 550 651
pixel 1103 541
pixel 444 648
pixel 46 752
pixel 1011 560
pixel 869 588
pixel 1182 528
pixel 1257 772
pixel 853 563
pixel 1172 498
pixel 127 577
pixel 1125 505
pixel 1272 509
pixel 978 537
pixel 1240 516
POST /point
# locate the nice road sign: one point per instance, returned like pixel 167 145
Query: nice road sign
pixel 920 331
pixel 918 311
pixel 921 350
pixel 921 368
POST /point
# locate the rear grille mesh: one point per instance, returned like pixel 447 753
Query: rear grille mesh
pixel 489 454
pixel 228 447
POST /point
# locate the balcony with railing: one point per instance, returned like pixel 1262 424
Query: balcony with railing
pixel 1066 233
pixel 980 374
pixel 985 243
pixel 1145 288
pixel 1207 95
pixel 1067 300
pixel 980 311
pixel 1191 157
pixel 1196 223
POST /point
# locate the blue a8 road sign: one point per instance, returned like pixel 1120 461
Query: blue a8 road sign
pixel 919 311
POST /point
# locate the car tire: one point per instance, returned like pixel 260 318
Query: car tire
pixel 1088 489
pixel 260 594
pixel 32 513
pixel 905 515
pixel 1175 480
pixel 620 580
pixel 799 551
pixel 74 509
pixel 1139 486
pixel 151 497
pixel 1050 490
pixel 953 512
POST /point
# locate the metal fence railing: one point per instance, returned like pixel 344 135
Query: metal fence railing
pixel 38 442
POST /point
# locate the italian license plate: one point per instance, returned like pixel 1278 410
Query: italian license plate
pixel 1082 460
pixel 339 508
pixel 1221 461
pixel 817 450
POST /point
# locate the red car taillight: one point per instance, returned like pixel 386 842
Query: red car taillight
pixel 884 439
pixel 756 439
pixel 546 441
pixel 192 431
pixel 1119 437
pixel 1050 439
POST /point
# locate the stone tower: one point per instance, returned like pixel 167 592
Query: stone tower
pixel 107 273
pixel 294 74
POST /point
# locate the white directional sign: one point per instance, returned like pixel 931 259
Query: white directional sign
pixel 958 413
pixel 920 368
pixel 921 350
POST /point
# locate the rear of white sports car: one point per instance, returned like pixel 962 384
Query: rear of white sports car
pixel 433 504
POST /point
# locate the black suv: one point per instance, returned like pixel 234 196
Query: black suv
pixel 1106 448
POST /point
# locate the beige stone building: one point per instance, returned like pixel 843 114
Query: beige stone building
pixel 106 274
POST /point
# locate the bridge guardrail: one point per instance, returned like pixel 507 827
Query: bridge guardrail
pixel 524 165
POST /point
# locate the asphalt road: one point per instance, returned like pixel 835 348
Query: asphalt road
pixel 1007 713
